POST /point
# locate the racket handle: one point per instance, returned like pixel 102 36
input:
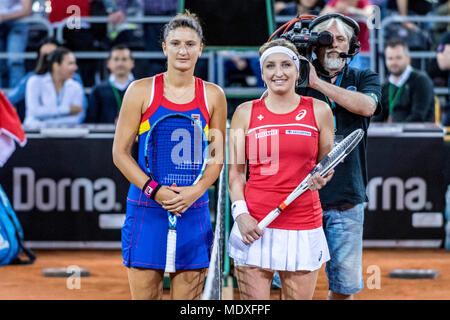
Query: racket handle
pixel 171 250
pixel 269 218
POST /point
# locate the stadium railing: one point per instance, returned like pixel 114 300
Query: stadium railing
pixel 218 54
pixel 36 22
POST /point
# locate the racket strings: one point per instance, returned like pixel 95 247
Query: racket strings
pixel 179 179
pixel 176 150
pixel 195 165
pixel 344 147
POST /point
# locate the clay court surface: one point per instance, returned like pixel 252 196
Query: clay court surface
pixel 108 280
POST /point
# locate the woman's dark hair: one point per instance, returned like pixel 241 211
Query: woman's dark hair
pixel 48 60
pixel 40 64
pixel 183 20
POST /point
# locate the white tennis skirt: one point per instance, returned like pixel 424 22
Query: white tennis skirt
pixel 285 250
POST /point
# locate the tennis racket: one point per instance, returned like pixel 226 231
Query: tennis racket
pixel 331 160
pixel 175 152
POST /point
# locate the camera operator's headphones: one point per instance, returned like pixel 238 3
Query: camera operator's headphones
pixel 355 45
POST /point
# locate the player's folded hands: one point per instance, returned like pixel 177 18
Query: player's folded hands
pixel 164 194
pixel 185 197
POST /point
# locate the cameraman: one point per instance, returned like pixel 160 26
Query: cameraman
pixel 353 95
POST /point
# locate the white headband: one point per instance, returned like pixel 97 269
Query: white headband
pixel 279 49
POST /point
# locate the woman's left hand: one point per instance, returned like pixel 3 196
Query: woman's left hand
pixel 316 182
pixel 186 196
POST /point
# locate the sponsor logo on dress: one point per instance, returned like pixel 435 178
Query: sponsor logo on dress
pixel 301 115
pixel 196 117
pixel 299 132
pixel 262 134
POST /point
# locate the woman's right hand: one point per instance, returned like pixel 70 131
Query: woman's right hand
pixel 75 110
pixel 248 226
pixel 164 194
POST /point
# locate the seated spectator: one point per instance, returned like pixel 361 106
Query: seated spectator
pixel 407 7
pixel 13 38
pixel 17 94
pixel 106 98
pixel 52 97
pixel 298 7
pixel 407 95
pixel 443 60
pixel 360 10
pixel 416 35
pixel 440 28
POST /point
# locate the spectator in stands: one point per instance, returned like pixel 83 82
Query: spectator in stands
pixel 407 95
pixel 298 7
pixel 52 96
pixel 440 28
pixel 17 95
pixel 82 37
pixel 13 38
pixel 152 31
pixel 106 98
pixel 359 10
pixel 407 7
pixel 443 60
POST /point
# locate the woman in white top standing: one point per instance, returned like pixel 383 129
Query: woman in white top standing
pixel 52 97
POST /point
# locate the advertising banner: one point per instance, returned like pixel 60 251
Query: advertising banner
pixel 406 188
pixel 67 192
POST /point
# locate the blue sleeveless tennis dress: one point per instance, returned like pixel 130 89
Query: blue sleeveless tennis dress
pixel 144 233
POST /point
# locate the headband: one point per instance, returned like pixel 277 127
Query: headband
pixel 279 49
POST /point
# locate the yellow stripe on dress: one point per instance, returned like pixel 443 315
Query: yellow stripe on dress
pixel 206 130
pixel 144 127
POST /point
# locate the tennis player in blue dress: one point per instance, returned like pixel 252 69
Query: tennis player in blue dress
pixel 145 231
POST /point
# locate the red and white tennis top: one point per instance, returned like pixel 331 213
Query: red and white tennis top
pixel 281 150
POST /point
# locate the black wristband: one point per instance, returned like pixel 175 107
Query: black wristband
pixel 152 196
pixel 150 188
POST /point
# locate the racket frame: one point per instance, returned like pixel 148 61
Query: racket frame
pixel 172 218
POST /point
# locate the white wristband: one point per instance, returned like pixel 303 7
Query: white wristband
pixel 238 207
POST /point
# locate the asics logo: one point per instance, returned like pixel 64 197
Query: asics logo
pixel 301 115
